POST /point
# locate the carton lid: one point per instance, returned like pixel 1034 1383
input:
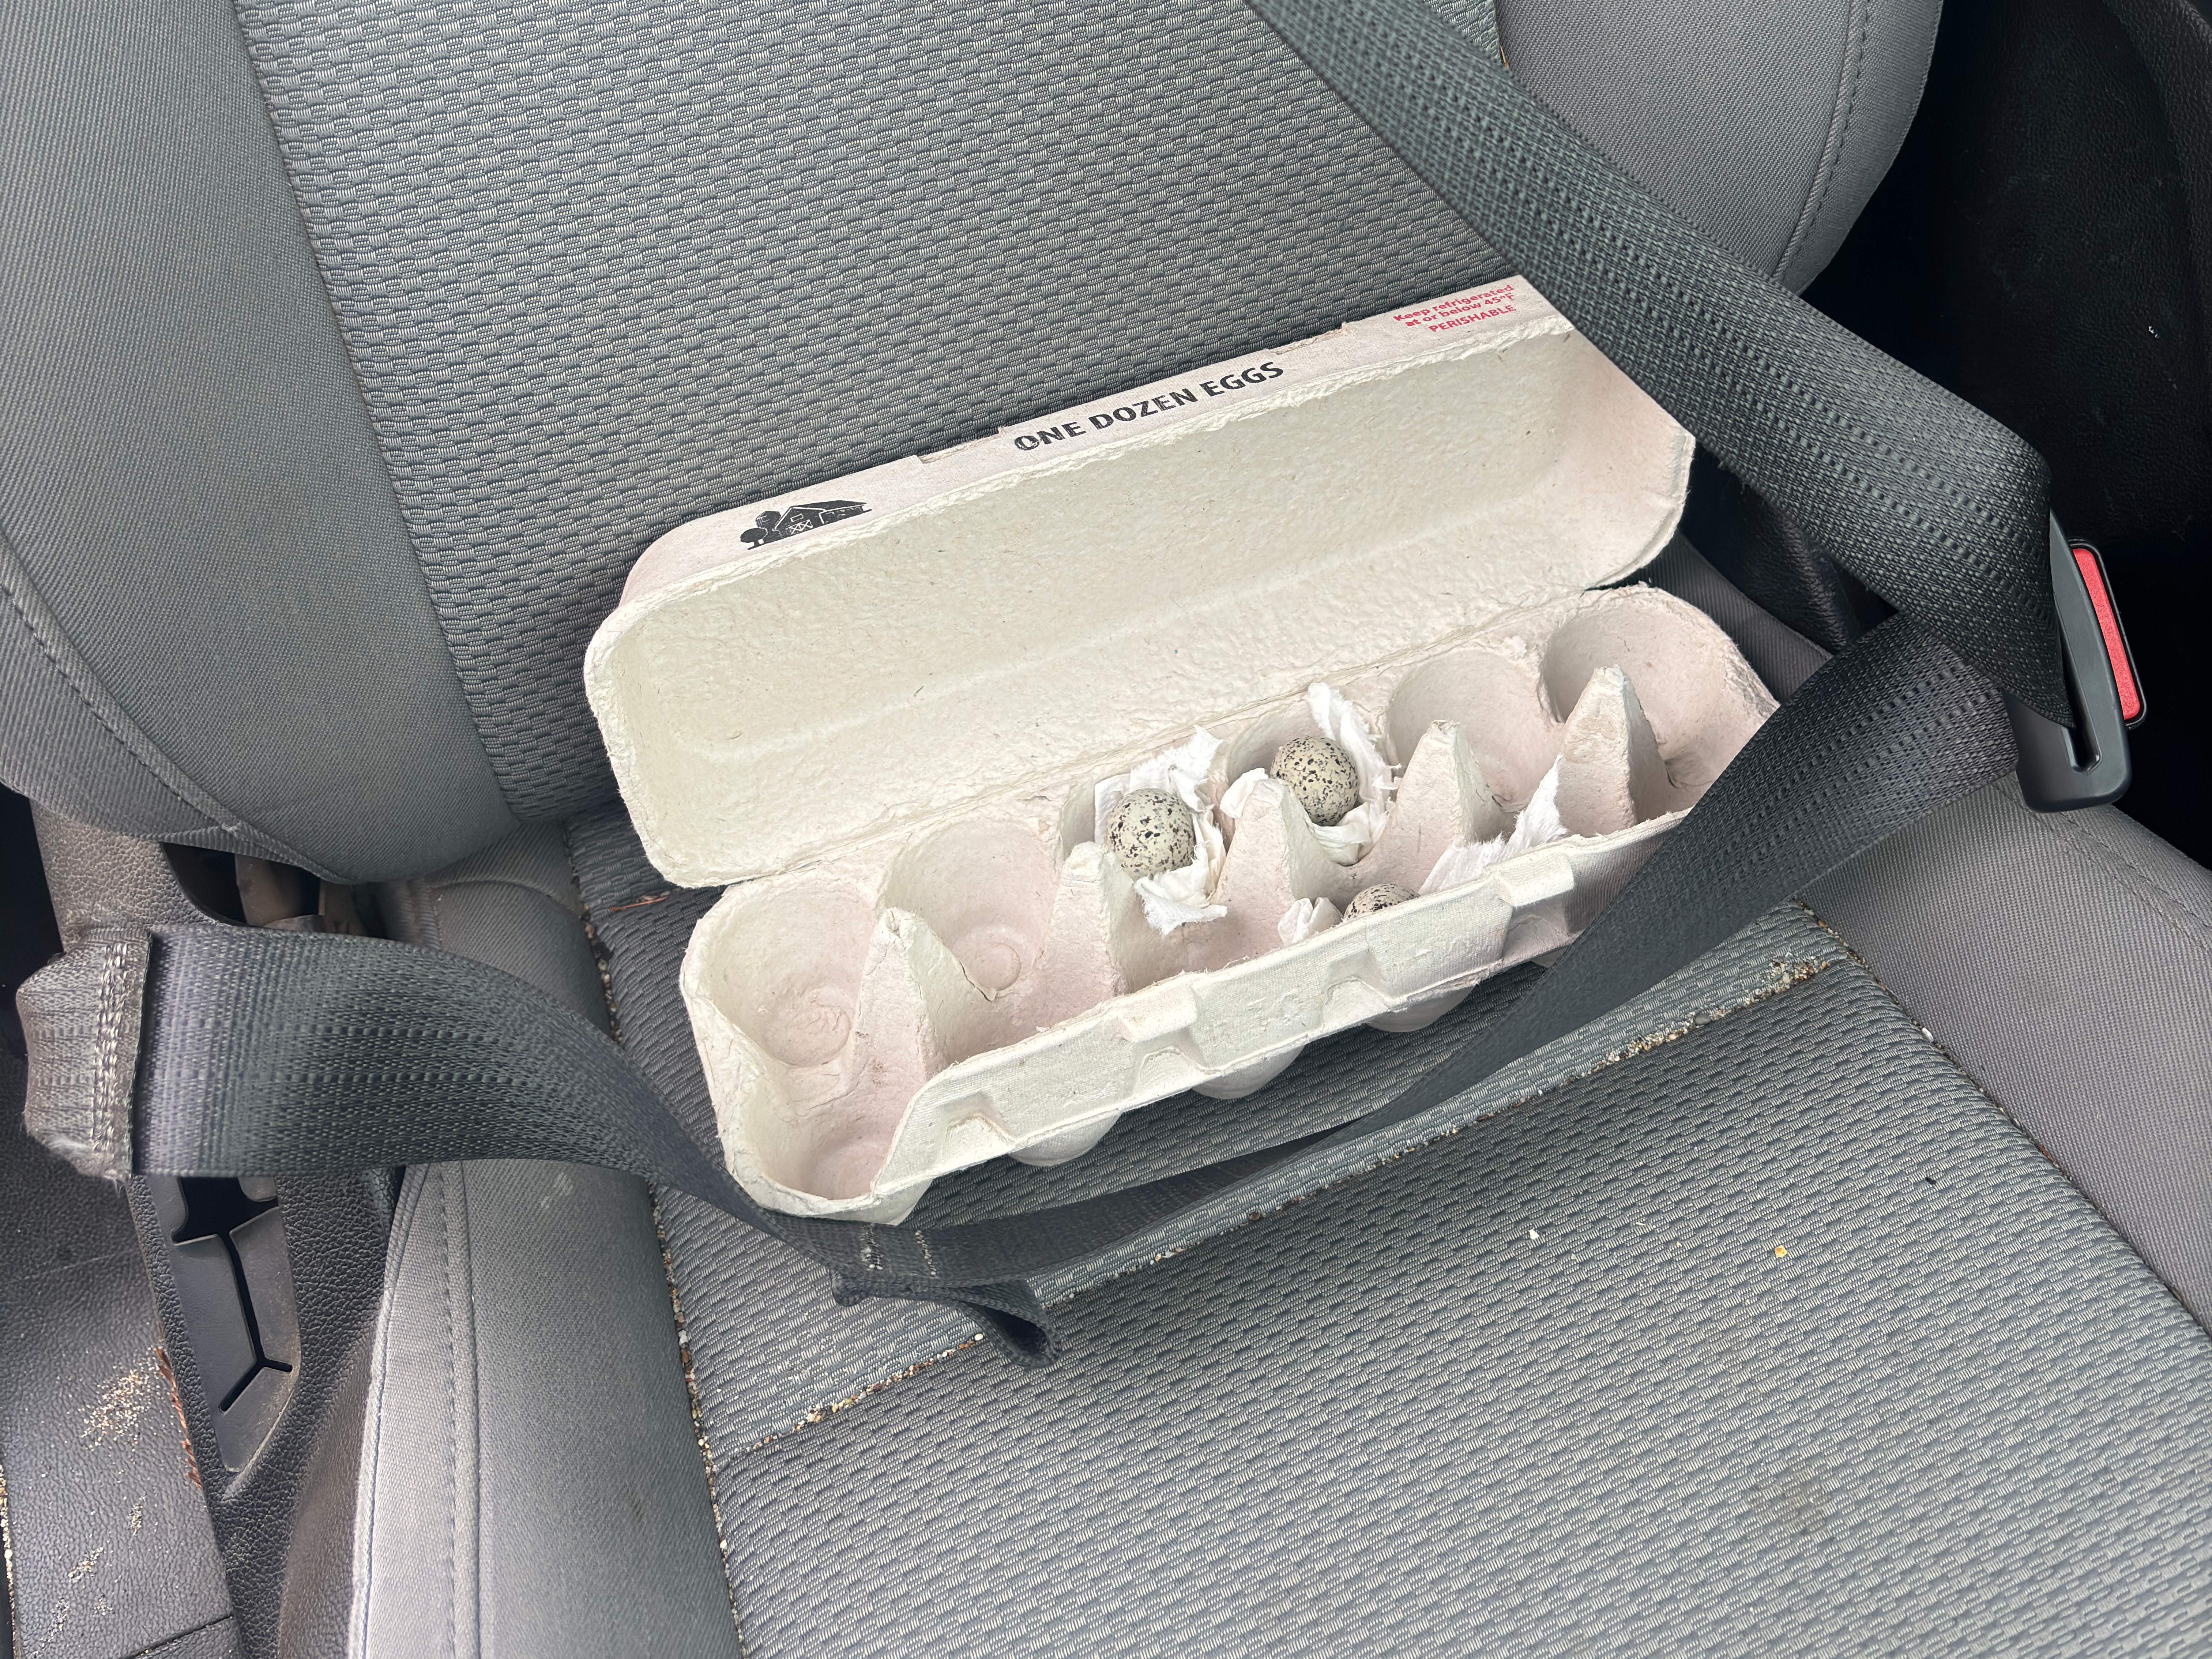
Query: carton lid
pixel 1038 608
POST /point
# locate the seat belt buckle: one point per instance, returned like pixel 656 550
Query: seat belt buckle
pixel 2061 770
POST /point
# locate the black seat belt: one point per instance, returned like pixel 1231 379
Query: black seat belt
pixel 1935 506
pixel 218 1050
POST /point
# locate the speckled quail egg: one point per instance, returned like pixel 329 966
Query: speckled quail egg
pixel 1321 775
pixel 1380 897
pixel 1150 832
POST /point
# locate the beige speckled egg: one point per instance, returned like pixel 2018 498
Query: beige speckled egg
pixel 1150 832
pixel 1321 775
pixel 1380 897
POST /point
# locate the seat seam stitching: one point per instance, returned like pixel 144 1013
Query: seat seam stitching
pixel 440 889
pixel 451 1471
pixel 373 1454
pixel 368 410
pixel 2141 883
pixel 54 644
pixel 1831 152
pixel 464 1271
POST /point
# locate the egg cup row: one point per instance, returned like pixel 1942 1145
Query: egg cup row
pixel 969 991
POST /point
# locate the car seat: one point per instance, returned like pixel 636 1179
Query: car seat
pixel 1842 1293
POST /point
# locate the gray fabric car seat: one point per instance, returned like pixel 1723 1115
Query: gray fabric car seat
pixel 1610 1437
pixel 378 370
pixel 365 349
pixel 1590 1407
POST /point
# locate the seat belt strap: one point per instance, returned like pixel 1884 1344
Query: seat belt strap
pixel 230 1050
pixel 1935 506
pixel 222 1051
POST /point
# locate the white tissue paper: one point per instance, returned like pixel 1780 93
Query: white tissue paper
pixel 1238 795
pixel 1350 839
pixel 1180 896
pixel 1347 842
pixel 1539 823
pixel 1305 919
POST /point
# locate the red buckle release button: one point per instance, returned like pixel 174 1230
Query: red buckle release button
pixel 2091 563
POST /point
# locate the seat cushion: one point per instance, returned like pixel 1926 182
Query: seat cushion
pixel 2066 961
pixel 1554 1387
pixel 530 1480
pixel 1771 1334
pixel 363 349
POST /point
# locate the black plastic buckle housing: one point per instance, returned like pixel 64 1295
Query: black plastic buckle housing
pixel 2061 771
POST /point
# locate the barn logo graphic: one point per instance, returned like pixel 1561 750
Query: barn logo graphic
pixel 773 526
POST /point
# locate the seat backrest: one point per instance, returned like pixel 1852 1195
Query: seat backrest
pixel 353 352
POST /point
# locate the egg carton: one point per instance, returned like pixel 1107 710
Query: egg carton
pixel 991 988
pixel 879 711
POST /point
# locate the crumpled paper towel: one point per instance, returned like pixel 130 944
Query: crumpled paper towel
pixel 1347 841
pixel 1539 823
pixel 1305 919
pixel 1178 896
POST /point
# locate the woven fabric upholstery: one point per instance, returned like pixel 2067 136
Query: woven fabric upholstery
pixel 2066 959
pixel 213 627
pixel 1548 1389
pixel 598 270
pixel 603 270
pixel 1959 1416
pixel 767 1352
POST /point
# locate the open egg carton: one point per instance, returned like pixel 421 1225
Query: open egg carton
pixel 881 712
